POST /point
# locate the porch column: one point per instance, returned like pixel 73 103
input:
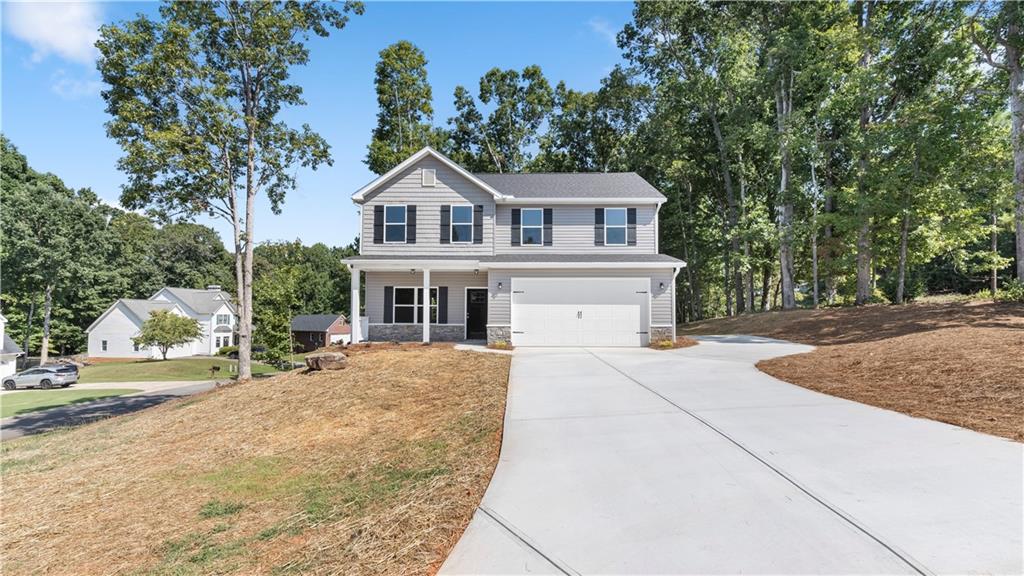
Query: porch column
pixel 426 306
pixel 353 320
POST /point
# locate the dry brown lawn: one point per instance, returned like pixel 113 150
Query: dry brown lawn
pixel 375 469
pixel 959 362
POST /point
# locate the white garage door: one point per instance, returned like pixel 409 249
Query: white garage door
pixel 580 311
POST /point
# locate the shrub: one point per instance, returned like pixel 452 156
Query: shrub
pixel 913 287
pixel 225 350
pixel 1013 291
pixel 500 345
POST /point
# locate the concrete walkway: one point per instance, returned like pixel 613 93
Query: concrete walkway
pixel 150 394
pixel 692 461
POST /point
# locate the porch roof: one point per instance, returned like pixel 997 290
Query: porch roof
pixel 518 261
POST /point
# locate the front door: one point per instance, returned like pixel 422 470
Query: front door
pixel 476 313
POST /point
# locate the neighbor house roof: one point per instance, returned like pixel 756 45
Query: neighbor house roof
pixel 141 309
pixel 575 185
pixel 202 301
pixel 314 322
pixel 10 347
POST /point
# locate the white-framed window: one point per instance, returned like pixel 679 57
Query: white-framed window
pixel 428 177
pixel 462 224
pixel 407 307
pixel 223 319
pixel 103 345
pixel 394 223
pixel 531 227
pixel 615 226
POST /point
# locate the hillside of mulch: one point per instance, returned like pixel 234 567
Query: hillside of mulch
pixel 374 469
pixel 959 363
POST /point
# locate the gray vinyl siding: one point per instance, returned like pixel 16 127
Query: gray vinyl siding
pixel 457 282
pixel 406 188
pixel 573 230
pixel 498 307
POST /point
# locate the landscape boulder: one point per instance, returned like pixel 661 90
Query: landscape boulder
pixel 326 361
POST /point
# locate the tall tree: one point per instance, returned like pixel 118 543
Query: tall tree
pixel 195 101
pixel 404 107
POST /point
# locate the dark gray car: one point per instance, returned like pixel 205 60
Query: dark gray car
pixel 43 377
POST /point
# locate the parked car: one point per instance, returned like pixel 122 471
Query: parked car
pixel 60 376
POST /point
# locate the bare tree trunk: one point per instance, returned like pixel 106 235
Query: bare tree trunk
pixel 993 281
pixel 746 242
pixel 1013 59
pixel 732 270
pixel 814 234
pixel 766 279
pixel 28 330
pixel 245 305
pixel 901 278
pixel 44 352
pixel 864 276
pixel 830 282
pixel 783 109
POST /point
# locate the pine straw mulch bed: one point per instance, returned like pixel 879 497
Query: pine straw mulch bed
pixel 960 363
pixel 375 469
pixel 681 342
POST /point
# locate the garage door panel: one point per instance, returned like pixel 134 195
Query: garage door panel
pixel 580 311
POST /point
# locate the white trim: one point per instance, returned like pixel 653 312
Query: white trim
pixel 404 224
pixel 546 265
pixel 405 324
pixel 624 226
pixel 547 201
pixel 465 309
pixel 522 211
pixel 451 223
pixel 360 195
pixel 423 177
pixel 414 305
pixel 657 233
pixel 398 264
pixel 674 320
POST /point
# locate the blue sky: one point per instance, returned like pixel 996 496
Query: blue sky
pixel 52 110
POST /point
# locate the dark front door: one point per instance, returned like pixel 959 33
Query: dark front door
pixel 476 313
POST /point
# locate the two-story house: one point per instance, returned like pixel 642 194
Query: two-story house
pixel 110 336
pixel 528 259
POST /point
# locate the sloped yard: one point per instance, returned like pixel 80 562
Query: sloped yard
pixel 374 469
pixel 960 363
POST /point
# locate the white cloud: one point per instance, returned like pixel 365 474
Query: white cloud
pixel 66 29
pixel 69 87
pixel 602 28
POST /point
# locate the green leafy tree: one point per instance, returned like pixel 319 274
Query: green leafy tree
pixel 276 296
pixel 195 100
pixel 165 330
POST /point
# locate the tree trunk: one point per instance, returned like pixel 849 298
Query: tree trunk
pixel 830 282
pixel 746 242
pixel 766 278
pixel 732 269
pixel 814 235
pixel 783 109
pixel 44 352
pixel 245 305
pixel 901 276
pixel 1013 61
pixel 28 331
pixel 993 280
pixel 864 292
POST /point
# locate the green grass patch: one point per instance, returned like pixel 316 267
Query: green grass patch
pixel 164 370
pixel 218 508
pixel 15 403
pixel 253 478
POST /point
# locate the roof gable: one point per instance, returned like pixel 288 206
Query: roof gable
pixel 314 322
pixel 136 310
pixel 361 195
pixel 196 300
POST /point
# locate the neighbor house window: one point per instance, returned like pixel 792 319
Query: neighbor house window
pixel 103 345
pixel 408 306
pixel 615 226
pixel 135 347
pixel 223 319
pixel 462 224
pixel 394 223
pixel 532 227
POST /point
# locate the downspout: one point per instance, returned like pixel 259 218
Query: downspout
pixel 675 275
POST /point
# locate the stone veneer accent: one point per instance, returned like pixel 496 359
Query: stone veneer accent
pixel 499 334
pixel 414 332
pixel 659 333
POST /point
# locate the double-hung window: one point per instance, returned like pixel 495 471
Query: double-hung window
pixel 615 226
pixel 394 223
pixel 408 306
pixel 223 319
pixel 531 229
pixel 462 224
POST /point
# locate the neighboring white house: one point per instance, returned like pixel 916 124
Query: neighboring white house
pixel 10 351
pixel 110 336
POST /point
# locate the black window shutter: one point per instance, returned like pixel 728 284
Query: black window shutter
pixel 515 226
pixel 442 304
pixel 378 224
pixel 389 304
pixel 410 224
pixel 446 221
pixel 478 224
pixel 548 217
pixel 631 226
pixel 598 226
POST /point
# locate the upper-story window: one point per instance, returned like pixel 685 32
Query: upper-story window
pixel 462 224
pixel 223 319
pixel 394 223
pixel 532 227
pixel 615 226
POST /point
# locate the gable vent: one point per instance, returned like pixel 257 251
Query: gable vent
pixel 429 176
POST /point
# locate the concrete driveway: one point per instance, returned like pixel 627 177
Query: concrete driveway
pixel 636 461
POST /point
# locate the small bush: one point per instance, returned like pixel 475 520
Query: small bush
pixel 500 345
pixel 1013 291
pixel 913 287
pixel 218 508
pixel 666 343
pixel 225 350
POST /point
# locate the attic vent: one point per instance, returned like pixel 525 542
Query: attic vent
pixel 429 177
pixel 213 287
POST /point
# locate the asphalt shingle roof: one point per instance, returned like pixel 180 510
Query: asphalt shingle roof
pixel 10 347
pixel 313 322
pixel 202 301
pixel 573 185
pixel 143 308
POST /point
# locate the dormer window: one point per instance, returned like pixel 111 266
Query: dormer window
pixel 428 177
pixel 615 226
pixel 223 319
pixel 394 223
